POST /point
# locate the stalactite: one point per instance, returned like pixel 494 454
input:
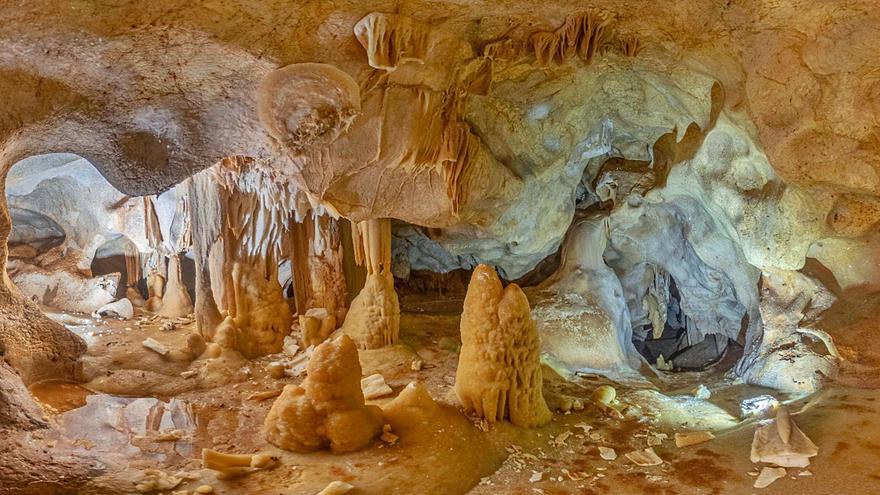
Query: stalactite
pixel 133 274
pixel 374 317
pixel 583 34
pixel 505 50
pixel 630 45
pixel 151 223
pixel 391 40
pixel 156 263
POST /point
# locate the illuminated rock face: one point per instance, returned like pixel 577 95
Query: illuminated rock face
pixel 683 154
pixel 499 369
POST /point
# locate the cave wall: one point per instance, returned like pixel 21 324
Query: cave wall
pixel 150 94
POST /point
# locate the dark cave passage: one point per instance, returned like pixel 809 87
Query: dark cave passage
pixel 681 345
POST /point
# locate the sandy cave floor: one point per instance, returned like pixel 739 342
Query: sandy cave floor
pixel 138 413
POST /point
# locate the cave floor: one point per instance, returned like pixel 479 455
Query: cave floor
pixel 138 414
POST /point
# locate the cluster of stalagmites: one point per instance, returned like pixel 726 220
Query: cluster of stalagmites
pixel 498 377
pixel 327 410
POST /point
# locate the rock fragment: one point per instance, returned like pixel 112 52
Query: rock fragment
pixel 156 346
pixel 645 458
pixel 782 443
pixel 374 386
pixel 607 453
pixel 692 438
pixel 768 476
pixel 234 465
pixel 336 488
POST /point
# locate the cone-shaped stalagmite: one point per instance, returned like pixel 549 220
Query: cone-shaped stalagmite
pixel 499 369
pixel 373 320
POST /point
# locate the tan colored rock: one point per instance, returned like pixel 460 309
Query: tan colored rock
pixel 235 465
pixel 768 475
pixel 644 458
pixel 157 347
pixel 391 40
pixel 327 410
pixel 412 407
pixel 155 290
pixel 316 325
pixel 308 104
pixel 499 370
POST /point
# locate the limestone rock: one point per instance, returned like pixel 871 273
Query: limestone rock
pixel 327 410
pixel 120 309
pixel 782 443
pixel 692 438
pixel 499 370
pixel 308 105
pixel 373 320
pixel 768 475
pixel 316 325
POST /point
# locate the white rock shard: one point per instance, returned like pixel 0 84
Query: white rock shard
pixel 156 346
pixel 374 386
pixel 608 453
pixel 692 438
pixel 645 457
pixel 121 309
pixel 782 443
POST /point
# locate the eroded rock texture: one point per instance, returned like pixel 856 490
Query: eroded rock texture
pixel 499 371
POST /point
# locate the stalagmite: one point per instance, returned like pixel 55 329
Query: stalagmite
pixel 176 301
pixel 327 410
pixel 373 320
pixel 261 315
pixel 155 289
pixel 782 443
pixel 204 217
pixel 255 213
pixel 133 275
pixel 499 370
